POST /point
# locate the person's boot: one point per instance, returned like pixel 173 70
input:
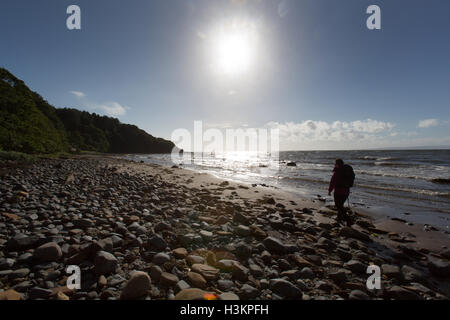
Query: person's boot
pixel 349 220
pixel 340 219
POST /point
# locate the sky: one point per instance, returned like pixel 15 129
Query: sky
pixel 310 68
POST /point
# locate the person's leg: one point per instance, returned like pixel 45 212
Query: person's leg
pixel 339 202
pixel 345 216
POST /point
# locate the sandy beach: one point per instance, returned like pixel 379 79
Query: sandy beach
pixel 188 234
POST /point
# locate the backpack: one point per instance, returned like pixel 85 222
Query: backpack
pixel 348 176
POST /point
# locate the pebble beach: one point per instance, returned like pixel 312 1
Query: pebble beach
pixel 145 231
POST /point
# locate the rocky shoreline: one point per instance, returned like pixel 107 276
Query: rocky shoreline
pixel 136 234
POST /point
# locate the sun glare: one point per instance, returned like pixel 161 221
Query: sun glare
pixel 234 48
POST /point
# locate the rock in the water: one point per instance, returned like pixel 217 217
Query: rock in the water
pixel 105 263
pixel 48 252
pixel 137 287
pixel 291 164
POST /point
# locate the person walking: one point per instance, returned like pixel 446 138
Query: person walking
pixel 341 182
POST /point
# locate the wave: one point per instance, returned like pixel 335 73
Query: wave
pixel 399 189
pixel 373 158
pixel 392 164
pixel 374 187
pixel 394 175
pixel 305 179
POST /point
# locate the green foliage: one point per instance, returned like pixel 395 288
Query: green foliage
pixel 16 156
pixel 23 126
pixel 92 132
pixel 30 124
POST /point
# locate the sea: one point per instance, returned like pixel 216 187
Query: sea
pixel 411 185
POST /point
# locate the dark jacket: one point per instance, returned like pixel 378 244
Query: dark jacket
pixel 337 180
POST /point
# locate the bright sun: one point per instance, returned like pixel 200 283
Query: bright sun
pixel 233 53
pixel 234 48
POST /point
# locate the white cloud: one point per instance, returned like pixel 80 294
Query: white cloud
pixel 112 109
pixel 428 123
pixel 331 135
pixel 78 94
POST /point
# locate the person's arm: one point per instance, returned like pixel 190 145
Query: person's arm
pixel 332 183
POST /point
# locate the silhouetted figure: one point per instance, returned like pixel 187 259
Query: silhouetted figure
pixel 341 182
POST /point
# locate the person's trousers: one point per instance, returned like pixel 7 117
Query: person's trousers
pixel 339 201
